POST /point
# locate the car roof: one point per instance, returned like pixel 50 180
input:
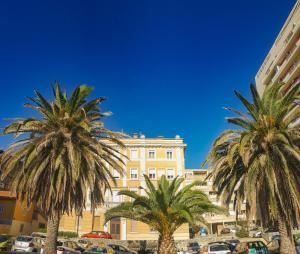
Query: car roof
pixel 218 242
pixel 27 236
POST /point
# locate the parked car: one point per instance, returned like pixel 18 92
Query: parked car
pixel 217 248
pixel 25 244
pixel 225 231
pixel 193 248
pixel 5 242
pixel 274 245
pixel 269 234
pixel 230 246
pixel 97 234
pixel 233 242
pixel 119 249
pixel 98 250
pixel 257 234
pixel 84 243
pixel 68 247
pixel 183 252
pixel 251 247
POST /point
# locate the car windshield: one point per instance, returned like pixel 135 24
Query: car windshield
pixel 256 245
pixel 3 238
pixel 24 239
pixel 219 247
pixel 98 249
pixel 193 244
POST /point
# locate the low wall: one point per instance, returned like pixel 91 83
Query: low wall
pixel 152 244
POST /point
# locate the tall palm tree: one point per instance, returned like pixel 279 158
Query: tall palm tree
pixel 165 208
pixel 259 161
pixel 63 157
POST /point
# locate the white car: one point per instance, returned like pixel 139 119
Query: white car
pixel 216 248
pixel 68 247
pixel 25 244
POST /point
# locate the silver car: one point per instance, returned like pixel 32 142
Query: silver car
pixel 25 244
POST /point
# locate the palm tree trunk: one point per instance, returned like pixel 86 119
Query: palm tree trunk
pixel 52 231
pixel 287 245
pixel 166 244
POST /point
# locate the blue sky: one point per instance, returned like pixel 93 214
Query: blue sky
pixel 167 67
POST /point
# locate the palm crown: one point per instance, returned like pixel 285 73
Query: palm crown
pixel 260 160
pixel 63 156
pixel 165 207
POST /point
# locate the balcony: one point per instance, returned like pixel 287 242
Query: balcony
pixel 288 58
pixel 271 73
pixel 291 71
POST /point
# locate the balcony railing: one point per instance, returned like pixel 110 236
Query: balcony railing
pixel 291 70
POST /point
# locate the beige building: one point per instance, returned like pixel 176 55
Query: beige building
pixel 216 222
pixel 282 63
pixel 151 156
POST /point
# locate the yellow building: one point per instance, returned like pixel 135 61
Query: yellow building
pixel 151 156
pixel 282 64
pixel 16 218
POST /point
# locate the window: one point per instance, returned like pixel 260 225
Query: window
pixel 133 173
pixel 133 154
pixel 151 154
pixel 161 172
pixel 116 174
pixel 115 196
pixel 133 226
pixel 169 155
pixel 170 174
pixel 42 225
pixel 152 173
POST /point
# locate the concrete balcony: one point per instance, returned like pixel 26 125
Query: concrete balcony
pixel 290 57
pixel 291 72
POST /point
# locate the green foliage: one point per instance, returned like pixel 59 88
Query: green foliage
pixel 243 232
pixel 259 161
pixel 42 230
pixel 62 154
pixel 67 234
pixel 165 207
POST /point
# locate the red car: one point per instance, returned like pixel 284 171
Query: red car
pixel 97 234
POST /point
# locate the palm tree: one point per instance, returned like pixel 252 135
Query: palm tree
pixel 259 161
pixel 165 208
pixel 63 157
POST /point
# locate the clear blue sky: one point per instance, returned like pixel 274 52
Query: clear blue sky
pixel 167 67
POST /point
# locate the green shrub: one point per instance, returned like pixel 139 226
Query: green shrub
pixel 67 234
pixel 242 233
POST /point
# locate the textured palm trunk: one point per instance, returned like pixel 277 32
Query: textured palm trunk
pixel 166 245
pixel 52 230
pixel 287 245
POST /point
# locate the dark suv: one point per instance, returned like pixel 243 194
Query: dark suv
pixel 194 248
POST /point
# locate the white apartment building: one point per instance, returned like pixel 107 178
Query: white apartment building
pixel 282 64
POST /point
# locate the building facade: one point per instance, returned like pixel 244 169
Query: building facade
pixel 16 218
pixel 151 156
pixel 216 222
pixel 282 64
pixel 154 157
